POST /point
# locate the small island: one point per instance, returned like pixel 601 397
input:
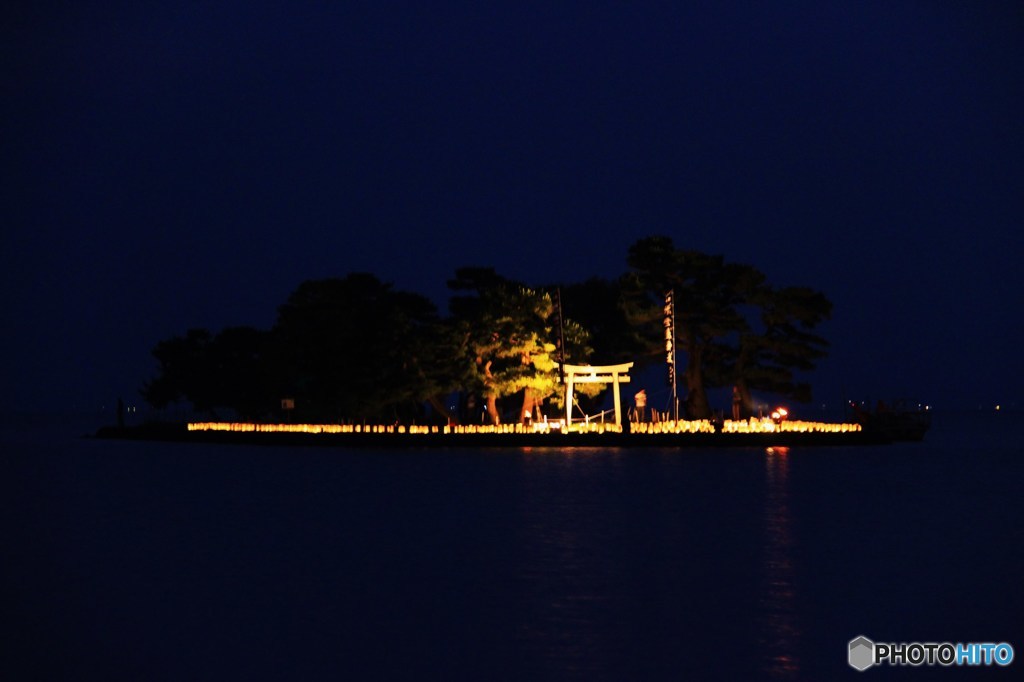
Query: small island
pixel 354 361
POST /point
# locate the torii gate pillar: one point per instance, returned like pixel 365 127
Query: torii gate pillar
pixel 593 374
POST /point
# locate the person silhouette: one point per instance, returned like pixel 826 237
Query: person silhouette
pixel 641 405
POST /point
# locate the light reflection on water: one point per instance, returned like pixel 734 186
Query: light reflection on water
pixel 595 564
pixel 603 569
pixel 566 577
pixel 780 630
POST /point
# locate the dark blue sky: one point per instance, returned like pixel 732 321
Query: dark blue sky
pixel 169 165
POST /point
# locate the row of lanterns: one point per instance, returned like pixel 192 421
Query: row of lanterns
pixel 765 425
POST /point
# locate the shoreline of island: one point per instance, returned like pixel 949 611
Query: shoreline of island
pixel 435 437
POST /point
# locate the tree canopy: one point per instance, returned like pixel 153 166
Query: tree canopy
pixel 511 340
pixel 732 326
pixel 355 348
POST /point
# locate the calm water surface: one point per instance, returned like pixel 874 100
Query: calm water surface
pixel 153 561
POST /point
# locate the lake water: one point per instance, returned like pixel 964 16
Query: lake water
pixel 159 561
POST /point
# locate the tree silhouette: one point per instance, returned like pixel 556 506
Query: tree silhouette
pixel 354 347
pixel 184 371
pixel 731 325
pixel 223 371
pixel 779 344
pixel 600 306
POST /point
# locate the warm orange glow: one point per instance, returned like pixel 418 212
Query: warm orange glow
pixel 772 426
pixel 765 425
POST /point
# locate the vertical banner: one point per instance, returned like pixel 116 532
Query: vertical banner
pixel 670 337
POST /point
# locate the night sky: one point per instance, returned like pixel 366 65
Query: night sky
pixel 173 165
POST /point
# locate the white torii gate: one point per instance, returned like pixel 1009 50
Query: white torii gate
pixel 593 374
